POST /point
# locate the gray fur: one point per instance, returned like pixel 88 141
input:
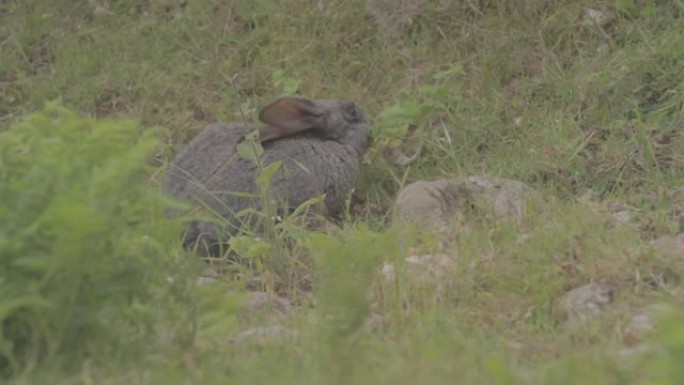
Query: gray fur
pixel 322 159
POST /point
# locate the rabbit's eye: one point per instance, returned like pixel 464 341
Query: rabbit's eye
pixel 353 112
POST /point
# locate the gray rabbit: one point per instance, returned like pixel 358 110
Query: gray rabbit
pixel 319 142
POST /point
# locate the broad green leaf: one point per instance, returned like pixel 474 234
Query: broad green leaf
pixel 264 178
pixel 250 148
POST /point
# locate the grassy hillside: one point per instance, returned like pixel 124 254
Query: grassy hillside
pixel 587 111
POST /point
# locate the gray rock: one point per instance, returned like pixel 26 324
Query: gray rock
pixel 437 205
pixel 505 197
pixel 585 302
pixel 429 204
pixel 670 246
pixel 640 326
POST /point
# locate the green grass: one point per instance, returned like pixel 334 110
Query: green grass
pixel 95 289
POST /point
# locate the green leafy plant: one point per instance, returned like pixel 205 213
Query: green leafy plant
pixel 287 84
pixel 342 290
pixel 270 233
pixel 417 109
pixel 87 266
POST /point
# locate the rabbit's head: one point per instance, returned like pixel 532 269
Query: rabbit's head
pixel 338 120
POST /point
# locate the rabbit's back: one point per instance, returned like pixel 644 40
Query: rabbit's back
pixel 309 167
pixel 208 171
pixel 199 160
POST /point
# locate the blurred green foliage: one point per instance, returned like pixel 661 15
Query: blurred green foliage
pixel 87 264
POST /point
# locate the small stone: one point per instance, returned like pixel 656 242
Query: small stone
pixel 670 246
pixel 204 281
pixel 598 18
pixel 620 213
pixel 419 267
pixel 264 334
pixel 388 272
pixel 635 351
pixel 438 266
pixel 641 324
pixel 622 217
pixel 377 321
pixel 259 301
pixel 517 121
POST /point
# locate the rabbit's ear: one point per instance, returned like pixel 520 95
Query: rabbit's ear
pixel 288 116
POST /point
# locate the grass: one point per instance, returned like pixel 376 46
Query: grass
pixel 589 116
